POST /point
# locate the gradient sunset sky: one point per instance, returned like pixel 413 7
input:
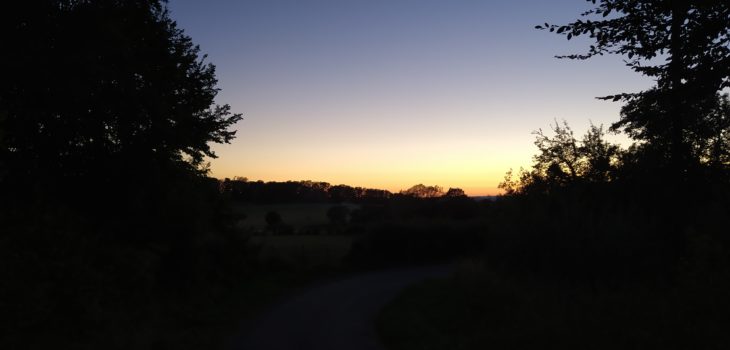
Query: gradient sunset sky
pixel 391 93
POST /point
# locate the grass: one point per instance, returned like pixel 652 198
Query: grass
pixel 297 215
pixel 305 252
pixel 211 323
pixel 285 265
pixel 478 310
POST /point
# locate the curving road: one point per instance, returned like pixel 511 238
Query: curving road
pixel 339 315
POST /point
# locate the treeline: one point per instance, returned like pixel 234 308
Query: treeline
pixel 241 190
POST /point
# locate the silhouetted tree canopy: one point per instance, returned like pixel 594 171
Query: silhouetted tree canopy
pixel 242 190
pixel 706 137
pixel 455 192
pixel 563 160
pixel 683 45
pixel 107 112
pixel 422 191
pixel 101 90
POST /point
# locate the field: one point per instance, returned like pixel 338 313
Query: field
pixel 296 215
pixel 304 252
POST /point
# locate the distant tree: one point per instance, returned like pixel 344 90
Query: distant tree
pixel 375 195
pixel 691 37
pixel 342 193
pixel 455 192
pixel 422 191
pixel 310 191
pixel 297 192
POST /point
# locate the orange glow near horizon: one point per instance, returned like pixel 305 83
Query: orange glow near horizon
pixel 391 94
pixel 394 166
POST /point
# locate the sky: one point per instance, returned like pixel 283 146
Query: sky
pixel 392 93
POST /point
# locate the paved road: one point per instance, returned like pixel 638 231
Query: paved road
pixel 339 315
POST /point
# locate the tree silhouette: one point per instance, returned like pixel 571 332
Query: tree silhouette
pixel 706 137
pixel 106 115
pixel 564 160
pixel 691 37
pixel 342 193
pixel 422 191
pixel 455 192
pixel 101 90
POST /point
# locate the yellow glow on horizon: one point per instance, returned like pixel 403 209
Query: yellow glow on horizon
pixel 475 167
pixel 401 103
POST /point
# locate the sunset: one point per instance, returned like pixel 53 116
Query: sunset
pixel 390 94
pixel 365 174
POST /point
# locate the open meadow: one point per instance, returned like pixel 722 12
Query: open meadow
pixel 295 215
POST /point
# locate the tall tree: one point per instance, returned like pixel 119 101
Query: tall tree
pixel 96 90
pixel 683 44
pixel 107 113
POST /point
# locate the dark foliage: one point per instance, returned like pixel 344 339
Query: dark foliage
pixel 422 191
pixel 415 242
pixel 694 39
pixel 455 192
pixel 597 246
pixel 106 115
pixel 590 212
pixel 705 135
pixel 242 190
pixel 565 161
pixel 413 230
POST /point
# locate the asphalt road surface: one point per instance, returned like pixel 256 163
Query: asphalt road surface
pixel 339 315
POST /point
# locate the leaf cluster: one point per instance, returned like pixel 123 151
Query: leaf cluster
pixel 91 85
pixel 640 30
pixel 563 160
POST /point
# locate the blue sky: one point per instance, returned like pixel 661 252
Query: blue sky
pixel 390 93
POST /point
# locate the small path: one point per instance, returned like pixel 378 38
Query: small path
pixel 335 316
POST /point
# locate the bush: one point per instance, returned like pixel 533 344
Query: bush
pixel 338 214
pixel 415 242
pixel 478 308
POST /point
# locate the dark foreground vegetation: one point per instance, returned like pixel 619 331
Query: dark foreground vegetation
pixel 112 236
pixel 599 246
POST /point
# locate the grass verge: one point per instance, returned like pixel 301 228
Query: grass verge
pixel 478 310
